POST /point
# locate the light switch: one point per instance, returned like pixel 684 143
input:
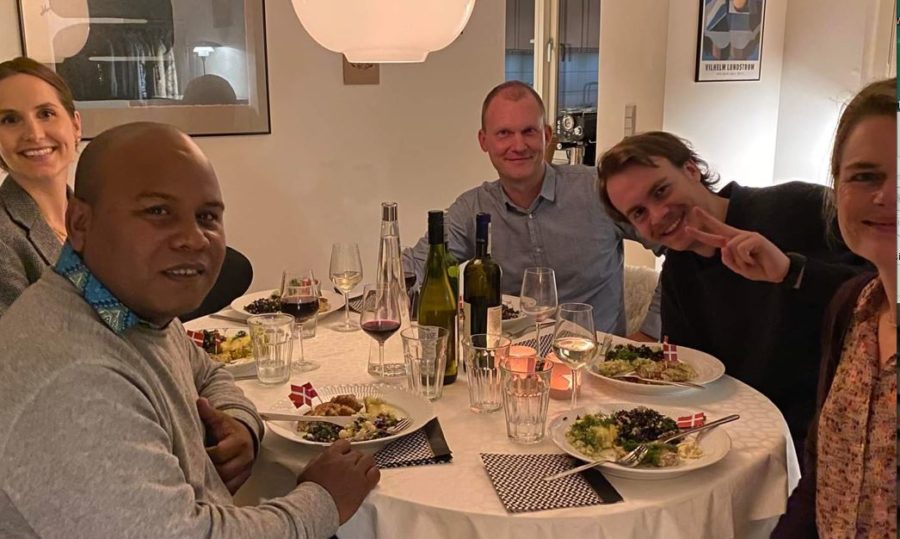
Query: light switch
pixel 630 119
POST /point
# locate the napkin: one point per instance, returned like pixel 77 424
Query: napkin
pixel 519 482
pixel 355 304
pixel 424 446
pixel 546 343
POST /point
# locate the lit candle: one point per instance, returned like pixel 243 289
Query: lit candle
pixel 522 358
pixel 561 379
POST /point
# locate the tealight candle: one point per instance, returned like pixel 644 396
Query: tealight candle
pixel 522 358
pixel 561 379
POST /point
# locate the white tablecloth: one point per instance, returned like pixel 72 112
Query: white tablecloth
pixel 740 496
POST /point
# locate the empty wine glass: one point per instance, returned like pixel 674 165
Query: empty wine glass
pixel 538 298
pixel 380 318
pixel 346 272
pixel 300 299
pixel 574 339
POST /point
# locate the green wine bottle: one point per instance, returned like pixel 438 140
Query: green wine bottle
pixel 482 303
pixel 452 262
pixel 437 302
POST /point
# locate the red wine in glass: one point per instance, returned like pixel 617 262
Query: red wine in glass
pixel 381 330
pixel 302 308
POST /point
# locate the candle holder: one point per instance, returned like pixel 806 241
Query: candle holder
pixel 561 379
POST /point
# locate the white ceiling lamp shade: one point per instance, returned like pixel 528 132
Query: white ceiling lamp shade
pixel 384 31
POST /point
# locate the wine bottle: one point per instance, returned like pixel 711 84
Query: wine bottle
pixel 389 271
pixel 452 262
pixel 437 301
pixel 482 304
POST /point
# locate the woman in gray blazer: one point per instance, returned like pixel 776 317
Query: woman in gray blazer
pixel 39 134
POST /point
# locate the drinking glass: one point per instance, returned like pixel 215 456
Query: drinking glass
pixel 270 338
pixel 574 339
pixel 346 272
pixel 538 298
pixel 300 299
pixel 380 318
pixel 425 350
pixel 526 397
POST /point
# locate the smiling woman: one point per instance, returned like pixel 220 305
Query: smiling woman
pixel 39 134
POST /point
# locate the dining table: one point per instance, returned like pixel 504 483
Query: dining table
pixel 742 495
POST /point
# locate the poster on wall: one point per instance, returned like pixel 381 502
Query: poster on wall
pixel 199 65
pixel 729 44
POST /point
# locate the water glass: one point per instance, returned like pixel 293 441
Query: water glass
pixel 271 336
pixel 526 397
pixel 483 354
pixel 425 351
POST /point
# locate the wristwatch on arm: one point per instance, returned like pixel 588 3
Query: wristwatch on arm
pixel 795 271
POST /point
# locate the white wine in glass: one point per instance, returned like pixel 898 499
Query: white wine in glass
pixel 346 272
pixel 574 339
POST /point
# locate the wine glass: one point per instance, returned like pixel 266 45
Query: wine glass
pixel 538 298
pixel 574 339
pixel 346 272
pixel 300 299
pixel 380 318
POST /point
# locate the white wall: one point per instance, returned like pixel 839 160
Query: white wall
pixel 819 76
pixel 337 151
pixel 732 125
pixel 631 71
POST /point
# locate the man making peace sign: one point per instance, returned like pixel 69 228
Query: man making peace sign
pixel 749 271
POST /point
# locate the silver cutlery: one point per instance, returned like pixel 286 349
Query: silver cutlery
pixel 228 318
pixel 636 455
pixel 340 420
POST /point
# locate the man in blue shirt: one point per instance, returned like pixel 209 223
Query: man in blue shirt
pixel 541 214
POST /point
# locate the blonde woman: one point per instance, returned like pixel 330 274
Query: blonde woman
pixel 39 134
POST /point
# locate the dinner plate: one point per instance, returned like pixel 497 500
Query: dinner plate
pixel 418 409
pixel 244 366
pixel 708 368
pixel 715 443
pixel 335 301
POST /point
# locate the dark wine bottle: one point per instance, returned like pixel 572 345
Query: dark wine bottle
pixel 437 302
pixel 482 303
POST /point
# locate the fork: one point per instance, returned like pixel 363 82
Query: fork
pixel 636 455
pixel 340 420
pixel 633 375
pixel 629 460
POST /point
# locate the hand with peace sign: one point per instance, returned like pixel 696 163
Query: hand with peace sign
pixel 748 254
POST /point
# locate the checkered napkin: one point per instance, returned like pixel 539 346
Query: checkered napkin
pixel 546 343
pixel 519 482
pixel 425 446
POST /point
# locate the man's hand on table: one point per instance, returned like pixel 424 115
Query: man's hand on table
pixel 346 474
pixel 233 452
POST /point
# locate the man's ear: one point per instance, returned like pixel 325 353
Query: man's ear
pixel 78 222
pixel 692 170
pixel 482 138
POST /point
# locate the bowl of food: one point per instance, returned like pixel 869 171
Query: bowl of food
pixel 228 346
pixel 648 361
pixel 514 320
pixel 609 431
pixel 377 408
pixel 269 301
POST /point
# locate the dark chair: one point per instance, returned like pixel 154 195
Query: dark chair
pixel 233 282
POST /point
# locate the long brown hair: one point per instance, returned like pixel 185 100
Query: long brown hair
pixel 26 66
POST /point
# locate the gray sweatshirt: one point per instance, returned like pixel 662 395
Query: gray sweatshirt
pixel 100 435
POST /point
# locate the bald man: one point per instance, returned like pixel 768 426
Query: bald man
pixel 107 402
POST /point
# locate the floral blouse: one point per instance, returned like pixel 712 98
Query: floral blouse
pixel 857 444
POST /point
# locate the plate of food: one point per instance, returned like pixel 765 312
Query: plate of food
pixel 269 301
pixel 377 407
pixel 514 320
pixel 647 360
pixel 612 430
pixel 229 346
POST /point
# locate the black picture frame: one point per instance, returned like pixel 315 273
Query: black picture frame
pixel 200 65
pixel 730 40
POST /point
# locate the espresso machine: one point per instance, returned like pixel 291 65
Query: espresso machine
pixel 576 133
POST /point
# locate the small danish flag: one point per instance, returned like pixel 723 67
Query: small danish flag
pixel 670 351
pixel 691 421
pixel 303 395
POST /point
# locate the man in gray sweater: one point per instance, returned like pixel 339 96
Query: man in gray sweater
pixel 107 402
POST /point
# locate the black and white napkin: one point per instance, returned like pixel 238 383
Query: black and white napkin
pixel 519 482
pixel 424 446
pixel 546 343
pixel 355 304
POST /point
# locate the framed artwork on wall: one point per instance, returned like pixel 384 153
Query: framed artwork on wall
pixel 729 41
pixel 199 65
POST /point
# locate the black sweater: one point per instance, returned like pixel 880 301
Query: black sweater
pixel 767 335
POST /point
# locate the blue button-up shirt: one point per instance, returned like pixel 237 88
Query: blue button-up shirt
pixel 566 228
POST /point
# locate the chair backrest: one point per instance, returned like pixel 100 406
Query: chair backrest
pixel 233 282
pixel 640 282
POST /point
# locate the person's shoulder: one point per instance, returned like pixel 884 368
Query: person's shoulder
pixel 575 173
pixel 785 193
